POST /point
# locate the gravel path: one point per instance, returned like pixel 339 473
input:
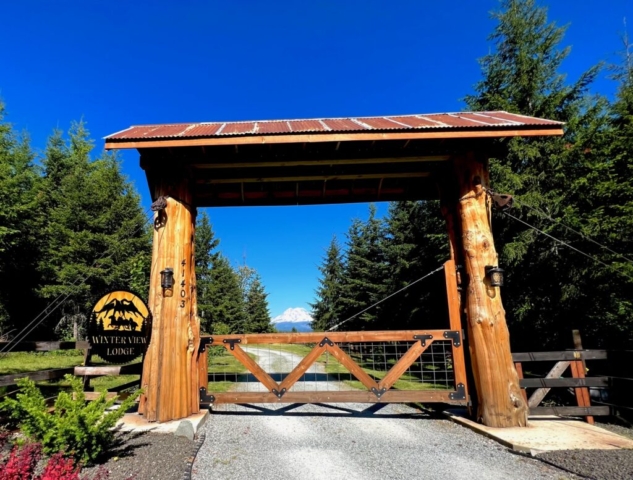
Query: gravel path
pixel 594 464
pixel 147 456
pixel 348 441
pixel 395 443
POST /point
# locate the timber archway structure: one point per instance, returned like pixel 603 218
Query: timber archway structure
pixel 326 161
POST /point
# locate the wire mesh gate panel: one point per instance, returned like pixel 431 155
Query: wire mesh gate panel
pixel 365 367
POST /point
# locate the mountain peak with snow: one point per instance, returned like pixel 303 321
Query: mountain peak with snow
pixel 293 315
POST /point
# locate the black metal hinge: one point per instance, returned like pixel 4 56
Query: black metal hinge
pixel 378 393
pixel 204 398
pixel 232 342
pixel 423 338
pixel 455 336
pixel 279 393
pixel 204 342
pixel 326 340
pixel 459 393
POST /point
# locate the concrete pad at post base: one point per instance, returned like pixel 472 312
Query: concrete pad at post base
pixel 185 427
pixel 545 434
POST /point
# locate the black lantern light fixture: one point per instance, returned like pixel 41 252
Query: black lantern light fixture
pixel 494 275
pixel 167 279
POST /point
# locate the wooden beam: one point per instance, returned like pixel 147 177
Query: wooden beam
pixel 52 374
pixel 345 360
pixel 359 396
pixel 538 395
pixel 501 403
pixel 300 369
pixel 455 321
pixel 575 411
pixel 359 176
pixel 133 369
pixel 401 366
pixel 170 366
pixel 561 355
pixel 565 382
pixel 252 367
pixel 42 346
pixel 336 337
pixel 303 163
pixel 333 137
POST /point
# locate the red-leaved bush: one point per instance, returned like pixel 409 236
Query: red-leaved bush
pixel 21 464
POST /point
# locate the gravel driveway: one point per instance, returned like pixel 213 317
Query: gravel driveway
pixel 349 441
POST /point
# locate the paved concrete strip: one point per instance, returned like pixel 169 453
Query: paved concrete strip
pixel 548 434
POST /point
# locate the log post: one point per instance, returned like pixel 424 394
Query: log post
pixel 500 403
pixel 170 368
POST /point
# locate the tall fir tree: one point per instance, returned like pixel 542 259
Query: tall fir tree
pixel 522 75
pixel 20 222
pixel 94 234
pixel 225 301
pixel 364 274
pixel 326 310
pixel 416 243
pixel 255 301
pixel 206 254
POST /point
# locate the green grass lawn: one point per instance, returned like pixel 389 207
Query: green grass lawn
pixel 224 363
pixel 24 362
pixel 332 366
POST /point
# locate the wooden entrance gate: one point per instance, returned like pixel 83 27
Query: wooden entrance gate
pixel 365 367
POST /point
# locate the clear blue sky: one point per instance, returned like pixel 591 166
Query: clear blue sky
pixel 121 63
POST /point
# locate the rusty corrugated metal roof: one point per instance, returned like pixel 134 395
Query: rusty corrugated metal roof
pixel 461 120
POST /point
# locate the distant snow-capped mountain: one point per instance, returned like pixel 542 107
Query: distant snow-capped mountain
pixel 293 315
pixel 298 318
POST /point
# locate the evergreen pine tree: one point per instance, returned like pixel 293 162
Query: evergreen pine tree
pixel 326 309
pixel 226 302
pixel 413 249
pixel 94 227
pixel 521 75
pixel 205 246
pixel 19 229
pixel 364 274
pixel 257 310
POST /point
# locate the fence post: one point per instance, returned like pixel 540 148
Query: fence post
pixel 578 369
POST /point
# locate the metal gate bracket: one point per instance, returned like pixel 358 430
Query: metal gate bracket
pixel 459 394
pixel 378 393
pixel 204 398
pixel 455 336
pixel 326 340
pixel 423 338
pixel 279 393
pixel 204 342
pixel 232 342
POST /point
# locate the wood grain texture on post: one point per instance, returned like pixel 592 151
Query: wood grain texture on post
pixel 500 401
pixel 170 372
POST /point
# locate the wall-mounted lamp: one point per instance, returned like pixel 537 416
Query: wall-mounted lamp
pixel 494 275
pixel 167 281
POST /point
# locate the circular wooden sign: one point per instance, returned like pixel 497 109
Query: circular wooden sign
pixel 119 327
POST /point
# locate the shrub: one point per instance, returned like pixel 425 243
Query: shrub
pixel 81 430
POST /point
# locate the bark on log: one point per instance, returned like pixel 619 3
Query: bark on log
pixel 500 403
pixel 170 369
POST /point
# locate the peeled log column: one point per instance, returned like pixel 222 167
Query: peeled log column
pixel 500 401
pixel 170 368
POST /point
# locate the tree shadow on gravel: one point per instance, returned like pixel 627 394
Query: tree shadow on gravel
pixel 328 410
pixel 124 445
